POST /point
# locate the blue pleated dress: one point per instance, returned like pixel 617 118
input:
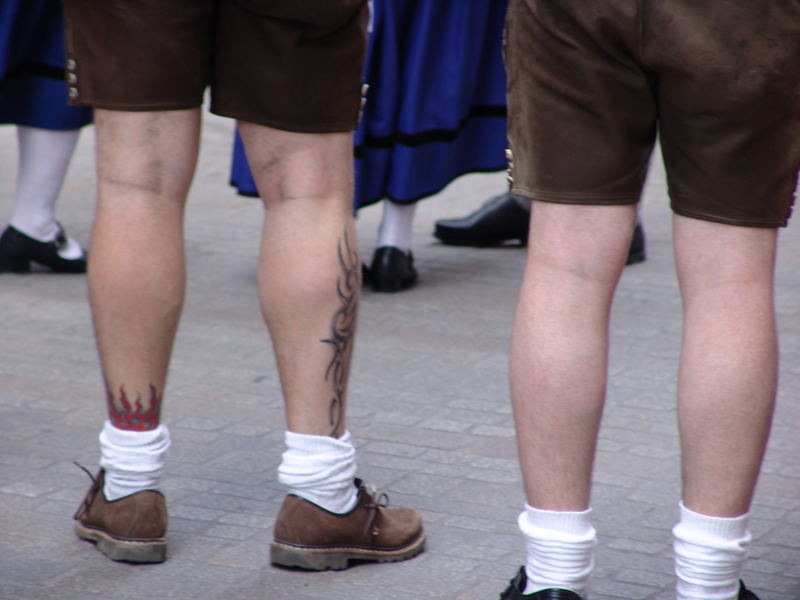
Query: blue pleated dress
pixel 436 101
pixel 32 87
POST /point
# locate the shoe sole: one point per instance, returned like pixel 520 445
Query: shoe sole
pixel 337 559
pixel 482 243
pixel 13 264
pixel 390 286
pixel 124 550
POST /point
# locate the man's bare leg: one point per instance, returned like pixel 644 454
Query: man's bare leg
pixel 559 354
pixel 309 268
pixel 145 164
pixel 726 395
pixel 559 346
pixel 309 283
pixel 728 373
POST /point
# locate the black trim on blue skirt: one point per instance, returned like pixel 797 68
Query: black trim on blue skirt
pixel 33 69
pixel 431 135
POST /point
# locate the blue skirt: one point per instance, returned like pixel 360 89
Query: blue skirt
pixel 32 87
pixel 436 102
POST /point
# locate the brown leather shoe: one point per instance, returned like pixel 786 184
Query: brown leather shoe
pixel 130 529
pixel 310 537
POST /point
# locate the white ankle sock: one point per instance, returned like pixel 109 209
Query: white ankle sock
pixel 560 548
pixel 709 555
pixel 133 460
pixel 43 159
pixel 397 225
pixel 320 469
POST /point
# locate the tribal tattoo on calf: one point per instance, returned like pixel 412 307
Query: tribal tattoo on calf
pixel 134 416
pixel 343 327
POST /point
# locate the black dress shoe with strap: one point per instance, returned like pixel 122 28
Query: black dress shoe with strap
pixel 517 586
pixel 18 251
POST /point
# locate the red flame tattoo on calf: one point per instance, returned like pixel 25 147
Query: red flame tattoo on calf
pixel 134 416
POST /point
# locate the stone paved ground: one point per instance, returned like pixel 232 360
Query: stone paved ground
pixel 429 412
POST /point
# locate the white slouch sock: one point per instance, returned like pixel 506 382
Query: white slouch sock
pixel 320 469
pixel 43 159
pixel 560 548
pixel 709 555
pixel 397 225
pixel 133 460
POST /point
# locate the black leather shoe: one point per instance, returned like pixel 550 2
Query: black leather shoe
pixel 500 220
pixel 636 254
pixel 18 251
pixel 744 593
pixel 392 270
pixel 517 586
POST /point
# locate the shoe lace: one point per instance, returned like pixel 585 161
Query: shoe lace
pixel 373 501
pixel 90 495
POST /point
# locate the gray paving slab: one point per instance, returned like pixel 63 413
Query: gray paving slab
pixel 429 412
